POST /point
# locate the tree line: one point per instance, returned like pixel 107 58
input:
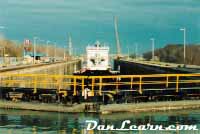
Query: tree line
pixel 12 49
pixel 174 53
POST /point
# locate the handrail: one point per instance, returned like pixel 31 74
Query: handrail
pixel 97 83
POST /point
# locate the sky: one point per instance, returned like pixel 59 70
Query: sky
pixel 90 20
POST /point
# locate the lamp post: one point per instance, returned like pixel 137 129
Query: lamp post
pixel 128 51
pixel 3 54
pixel 136 51
pixel 34 49
pixel 2 48
pixel 54 51
pixel 184 43
pixel 64 53
pixel 153 48
pixel 47 48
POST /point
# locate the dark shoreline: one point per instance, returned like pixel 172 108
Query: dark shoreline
pixel 105 109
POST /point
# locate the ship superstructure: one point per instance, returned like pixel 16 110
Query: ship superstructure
pixel 97 57
pixel 96 61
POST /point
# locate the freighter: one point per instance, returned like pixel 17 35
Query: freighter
pixel 97 61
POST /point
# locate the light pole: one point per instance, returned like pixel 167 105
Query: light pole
pixel 47 48
pixel 34 49
pixel 2 48
pixel 64 53
pixel 3 53
pixel 153 48
pixel 184 42
pixel 136 51
pixel 55 52
pixel 128 51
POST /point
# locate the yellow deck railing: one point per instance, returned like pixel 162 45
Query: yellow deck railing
pixel 96 84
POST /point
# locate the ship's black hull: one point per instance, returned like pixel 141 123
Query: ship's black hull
pixel 96 73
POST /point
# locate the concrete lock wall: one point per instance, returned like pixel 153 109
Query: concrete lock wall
pixel 64 68
pixel 131 67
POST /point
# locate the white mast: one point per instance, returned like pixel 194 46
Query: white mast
pixel 117 37
pixel 70 46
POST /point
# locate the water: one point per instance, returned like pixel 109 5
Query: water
pixel 34 122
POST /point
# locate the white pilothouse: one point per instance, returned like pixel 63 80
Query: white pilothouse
pixel 97 61
pixel 97 57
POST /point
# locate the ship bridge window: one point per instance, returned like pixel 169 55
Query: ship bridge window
pixel 93 61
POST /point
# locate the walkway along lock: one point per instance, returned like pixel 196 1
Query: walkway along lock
pixel 98 85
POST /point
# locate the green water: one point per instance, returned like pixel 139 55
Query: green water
pixel 34 122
